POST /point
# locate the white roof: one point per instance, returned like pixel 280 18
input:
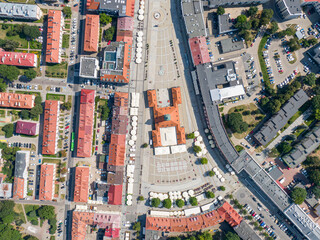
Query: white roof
pixel 192 211
pixel 160 213
pixel 168 136
pixel 178 149
pixel 208 207
pixel 201 197
pixel 161 150
pixel 133 111
pixel 130 188
pixel 299 35
pixel 229 92
pixel 135 99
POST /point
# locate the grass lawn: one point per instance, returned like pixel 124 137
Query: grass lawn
pixel 19 210
pixel 29 208
pixel 239 148
pixel 309 120
pixel 50 160
pixel 60 143
pixel 58 97
pixel 261 60
pixel 2 113
pixel 250 118
pixel 57 70
pixel 56 189
pixel 299 131
pixel 67 26
pixel 35 45
pixel 65 40
pixel 23 42
pixel 30 93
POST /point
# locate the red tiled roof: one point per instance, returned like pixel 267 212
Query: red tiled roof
pixel 26 128
pixel 125 23
pixel 229 214
pixel 112 233
pixel 92 5
pixel 199 50
pixel 54 36
pixel 49 139
pixel 117 150
pixel 81 184
pixel 124 77
pixel 115 195
pixel 46 182
pixel 130 8
pixel 91 34
pixel 85 131
pixel 15 100
pixel 159 116
pixel 18 59
pixel 18 188
pixel 80 220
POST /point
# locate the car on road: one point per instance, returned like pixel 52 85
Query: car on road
pixel 39 160
pixel 66 127
pixel 254 199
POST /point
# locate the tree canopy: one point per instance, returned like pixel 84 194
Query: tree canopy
pixel 220 10
pixel 30 74
pixel 252 11
pixel 284 147
pixel 209 194
pixel 8 45
pixel 46 212
pixel 155 202
pixel 108 34
pixel 67 12
pixel 8 130
pixel 180 203
pixel 167 203
pixel 193 201
pixel 314 176
pixel 298 195
pixel 232 236
pixel 9 73
pixel 236 123
pixel 31 32
pixel 36 111
pixel 310 79
pixel 105 19
pixel 204 161
pixel 274 27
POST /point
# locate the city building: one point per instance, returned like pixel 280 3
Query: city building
pixel 86 118
pixel 16 100
pixel 91 33
pixel 192 12
pixel 5 189
pixel 228 45
pixel 124 29
pixel 47 180
pixel 223 84
pixel 117 150
pixel 246 232
pixel 115 174
pixel 81 218
pixel 21 174
pixel 270 129
pixel 18 59
pixel 306 146
pixel 20 11
pixel 120 113
pixel 50 127
pixel 314 53
pixel 101 192
pixel 233 3
pixel 27 128
pixel 116 63
pixel 199 50
pixel 54 36
pixel 81 184
pixel 168 131
pixel 115 195
pixel 112 7
pixel 225 24
pixel 289 9
pixel 89 67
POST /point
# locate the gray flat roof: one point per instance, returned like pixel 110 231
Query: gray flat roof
pixel 270 129
pixel 89 67
pixel 300 152
pixel 275 173
pixel 228 46
pixel 293 6
pixel 225 24
pixel 216 3
pixel 115 7
pixel 245 232
pixel 21 163
pixel 315 53
pixel 16 10
pixel 192 12
pixel 303 222
pixel 113 59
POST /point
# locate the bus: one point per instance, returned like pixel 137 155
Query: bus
pixel 72 142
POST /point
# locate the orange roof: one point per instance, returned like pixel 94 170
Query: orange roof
pixel 85 131
pixel 46 181
pixel 194 223
pixel 160 113
pixel 199 50
pixel 229 214
pixel 124 77
pixel 49 139
pixel 80 220
pixel 91 33
pixel 117 150
pixel 54 31
pixel 15 100
pixel 18 188
pixel 130 8
pixel 92 5
pixel 81 184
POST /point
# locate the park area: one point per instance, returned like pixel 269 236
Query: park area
pixel 57 70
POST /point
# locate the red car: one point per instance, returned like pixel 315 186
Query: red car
pixel 96 148
pixel 98 130
pixel 66 127
pixel 109 43
pixel 253 214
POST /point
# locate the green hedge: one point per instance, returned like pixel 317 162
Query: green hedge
pixel 263 66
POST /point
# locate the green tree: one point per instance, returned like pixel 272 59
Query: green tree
pixel 38 100
pixel 274 27
pixel 8 130
pixel 31 32
pixel 274 106
pixel 36 111
pixel 3 85
pixel 137 226
pixel 7 232
pixel 8 45
pixel 236 123
pixel 260 228
pixel 293 44
pixel 190 136
pixel 209 194
pixel 232 236
pixel 242 18
pixel 155 202
pixel 67 12
pixel 145 145
pixel 24 114
pixel 252 11
pixel 30 73
pixel 211 173
pixel 105 19
pixel 108 34
pixel 104 112
pixel 8 219
pixel 316 192
pixel 250 217
pixel 315 102
pixel 9 73
pixel 255 23
pixel 193 201
pixel 46 212
pixel 290 31
pixel 197 149
pixel 32 214
pixel 314 176
pixel 53 225
pixel 66 106
pixel 222 188
pixel 180 203
pixel 313 41
pixel 30 237
pixel 312 161
pixel 267 13
pixel 140 198
pixel 204 161
pixel 310 79
pixel 34 222
pixel 62 179
pixel 220 10
pixel 298 195
pixel 167 203
pixel 284 147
